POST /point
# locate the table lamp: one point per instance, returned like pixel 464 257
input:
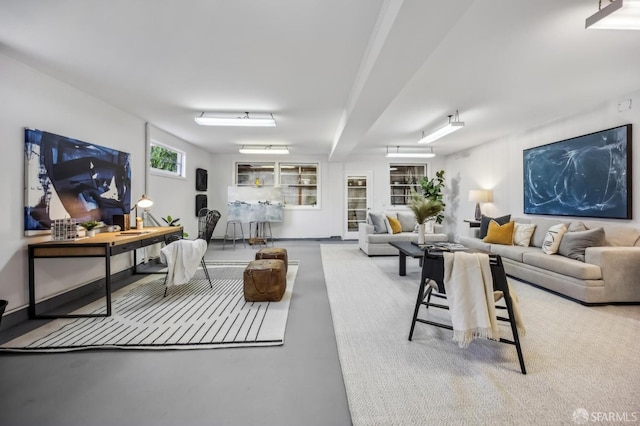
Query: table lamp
pixel 144 203
pixel 480 196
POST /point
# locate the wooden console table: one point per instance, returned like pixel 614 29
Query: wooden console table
pixel 103 245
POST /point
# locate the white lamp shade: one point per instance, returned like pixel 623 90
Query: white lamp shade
pixel 480 196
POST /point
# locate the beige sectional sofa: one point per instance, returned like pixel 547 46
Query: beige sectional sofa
pixel 375 242
pixel 610 272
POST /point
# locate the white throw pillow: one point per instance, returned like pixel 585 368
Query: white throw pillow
pixel 522 234
pixel 552 238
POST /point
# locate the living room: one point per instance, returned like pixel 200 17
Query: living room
pixel 37 95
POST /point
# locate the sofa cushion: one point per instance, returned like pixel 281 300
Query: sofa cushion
pixel 407 220
pixel 562 265
pixel 512 252
pixel 542 226
pixel 552 240
pixel 396 228
pixel 499 234
pixel 484 223
pixel 474 243
pixel 379 222
pixel 574 244
pixel 522 233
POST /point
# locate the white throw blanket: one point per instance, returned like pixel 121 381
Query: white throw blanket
pixel 469 288
pixel 182 258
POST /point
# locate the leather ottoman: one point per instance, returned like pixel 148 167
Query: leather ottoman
pixel 274 253
pixel 265 280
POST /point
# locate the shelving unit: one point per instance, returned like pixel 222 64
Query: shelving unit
pixel 356 202
pixel 247 173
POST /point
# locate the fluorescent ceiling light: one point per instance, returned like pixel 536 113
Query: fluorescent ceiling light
pixel 235 119
pixel 617 15
pixel 450 127
pixel 269 149
pixel 398 154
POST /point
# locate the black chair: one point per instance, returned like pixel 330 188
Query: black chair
pixel 207 221
pixel 433 270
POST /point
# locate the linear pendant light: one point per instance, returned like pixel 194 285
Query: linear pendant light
pixel 617 15
pixel 399 154
pixel 268 149
pixel 235 119
pixel 450 127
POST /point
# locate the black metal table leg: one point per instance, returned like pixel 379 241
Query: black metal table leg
pixel 402 268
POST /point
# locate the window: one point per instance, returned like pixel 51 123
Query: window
pixel 255 174
pixel 403 178
pixel 299 184
pixel 167 160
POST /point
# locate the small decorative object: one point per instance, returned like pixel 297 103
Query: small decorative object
pixel 201 179
pixel 64 229
pixel 89 226
pixel 257 182
pixel 170 221
pixel 139 223
pixel 423 209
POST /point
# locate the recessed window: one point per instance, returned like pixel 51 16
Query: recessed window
pixel 299 184
pixel 403 178
pixel 255 174
pixel 167 160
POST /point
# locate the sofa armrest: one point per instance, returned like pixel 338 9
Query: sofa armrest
pixel 620 268
pixel 363 230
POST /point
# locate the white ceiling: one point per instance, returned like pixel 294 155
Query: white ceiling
pixel 340 76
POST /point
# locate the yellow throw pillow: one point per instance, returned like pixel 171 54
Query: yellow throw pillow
pixel 500 234
pixel 396 227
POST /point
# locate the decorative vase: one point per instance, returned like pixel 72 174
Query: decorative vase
pixel 421 229
pixel 430 226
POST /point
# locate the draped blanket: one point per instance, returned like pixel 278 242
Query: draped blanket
pixel 182 258
pixel 469 287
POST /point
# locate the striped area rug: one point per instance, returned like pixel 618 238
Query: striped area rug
pixel 191 316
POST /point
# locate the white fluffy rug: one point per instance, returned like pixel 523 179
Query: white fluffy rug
pixel 580 360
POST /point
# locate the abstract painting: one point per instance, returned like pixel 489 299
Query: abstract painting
pixel 68 178
pixel 586 176
pixel 254 204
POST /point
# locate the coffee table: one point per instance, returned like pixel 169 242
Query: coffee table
pixel 407 248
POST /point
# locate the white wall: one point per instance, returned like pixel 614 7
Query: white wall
pixel 497 165
pixel 176 196
pixel 32 99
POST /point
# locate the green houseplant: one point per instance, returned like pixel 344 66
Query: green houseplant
pixel 432 190
pixel 170 221
pixel 90 225
pixel 423 209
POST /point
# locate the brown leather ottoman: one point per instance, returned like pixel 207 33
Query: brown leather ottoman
pixel 274 253
pixel 265 280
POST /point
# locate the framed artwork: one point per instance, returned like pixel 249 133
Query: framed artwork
pixel 586 176
pixel 250 203
pixel 68 178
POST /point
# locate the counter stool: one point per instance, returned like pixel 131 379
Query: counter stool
pixel 234 223
pixel 261 236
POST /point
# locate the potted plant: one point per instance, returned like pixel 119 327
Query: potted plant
pixel 90 226
pixel 432 190
pixel 423 209
pixel 170 221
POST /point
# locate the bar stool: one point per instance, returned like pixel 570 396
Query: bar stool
pixel 234 223
pixel 261 236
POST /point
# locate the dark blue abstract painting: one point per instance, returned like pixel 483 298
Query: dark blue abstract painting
pixel 586 176
pixel 68 178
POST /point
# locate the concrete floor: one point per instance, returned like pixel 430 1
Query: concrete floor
pixel 299 383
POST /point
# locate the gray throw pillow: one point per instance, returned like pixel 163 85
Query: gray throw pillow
pixel 484 223
pixel 407 220
pixel 378 222
pixel 574 244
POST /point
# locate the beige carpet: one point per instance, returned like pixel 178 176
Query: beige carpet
pixel 580 360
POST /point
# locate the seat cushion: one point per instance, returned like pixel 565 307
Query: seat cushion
pixel 562 265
